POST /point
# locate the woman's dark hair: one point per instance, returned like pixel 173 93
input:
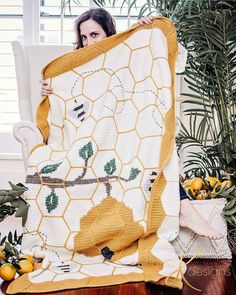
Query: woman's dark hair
pixel 100 16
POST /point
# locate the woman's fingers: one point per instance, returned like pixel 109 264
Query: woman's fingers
pixel 45 90
pixel 43 82
pixel 149 18
pixel 44 93
pixel 145 20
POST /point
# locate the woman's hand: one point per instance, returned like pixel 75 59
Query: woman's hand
pixel 145 20
pixel 45 90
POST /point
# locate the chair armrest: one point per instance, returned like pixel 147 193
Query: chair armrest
pixel 29 136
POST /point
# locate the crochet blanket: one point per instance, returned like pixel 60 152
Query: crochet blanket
pixel 104 188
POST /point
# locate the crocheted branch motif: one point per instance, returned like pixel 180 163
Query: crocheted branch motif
pixel 85 152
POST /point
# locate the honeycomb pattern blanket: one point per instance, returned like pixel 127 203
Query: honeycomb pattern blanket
pixel 104 190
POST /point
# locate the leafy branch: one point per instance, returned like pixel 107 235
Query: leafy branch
pixel 11 202
pixel 207 30
pixel 230 208
pixel 12 239
pixel 86 152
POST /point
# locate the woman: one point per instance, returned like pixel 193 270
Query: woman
pixel 95 25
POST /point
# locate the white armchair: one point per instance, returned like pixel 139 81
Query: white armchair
pixel 29 61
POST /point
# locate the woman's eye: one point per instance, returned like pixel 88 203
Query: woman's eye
pixel 94 35
pixel 83 37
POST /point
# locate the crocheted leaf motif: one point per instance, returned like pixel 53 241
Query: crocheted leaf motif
pixel 110 167
pixel 49 168
pixel 51 202
pixel 86 151
pixel 134 172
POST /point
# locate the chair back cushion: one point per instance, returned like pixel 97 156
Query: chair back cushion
pixel 29 61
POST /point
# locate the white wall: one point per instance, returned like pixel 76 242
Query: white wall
pixel 11 169
pixel 11 163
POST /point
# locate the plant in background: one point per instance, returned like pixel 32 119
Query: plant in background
pixel 208 31
pixel 11 202
pixel 209 34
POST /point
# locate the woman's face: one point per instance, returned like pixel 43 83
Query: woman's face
pixel 91 32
